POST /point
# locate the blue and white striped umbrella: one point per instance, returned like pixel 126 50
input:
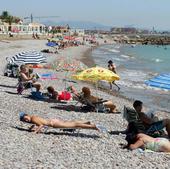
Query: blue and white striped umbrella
pixel 31 57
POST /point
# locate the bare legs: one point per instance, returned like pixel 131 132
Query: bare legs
pixel 72 124
pixel 111 106
pixel 167 125
pixel 113 83
pixel 37 86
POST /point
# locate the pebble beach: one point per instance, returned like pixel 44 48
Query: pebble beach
pixel 84 149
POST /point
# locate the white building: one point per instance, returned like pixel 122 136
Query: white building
pixel 21 28
pixel 78 32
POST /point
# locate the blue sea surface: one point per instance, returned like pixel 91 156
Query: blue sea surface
pixel 136 64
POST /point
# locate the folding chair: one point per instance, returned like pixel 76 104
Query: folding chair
pixel 132 117
pixel 21 86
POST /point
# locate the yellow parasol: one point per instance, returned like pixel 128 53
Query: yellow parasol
pixel 95 74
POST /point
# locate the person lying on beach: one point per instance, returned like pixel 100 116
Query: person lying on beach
pixel 144 141
pixel 58 95
pixel 149 122
pixel 112 68
pixel 27 79
pixel 87 95
pixel 39 123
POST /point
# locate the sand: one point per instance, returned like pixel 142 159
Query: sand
pixel 55 149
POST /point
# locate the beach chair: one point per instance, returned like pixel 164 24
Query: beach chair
pixel 21 86
pixel 133 119
pixel 91 106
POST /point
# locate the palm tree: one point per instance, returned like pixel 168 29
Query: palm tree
pixel 6 17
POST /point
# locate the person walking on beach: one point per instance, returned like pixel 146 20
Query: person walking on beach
pixel 39 123
pixel 112 68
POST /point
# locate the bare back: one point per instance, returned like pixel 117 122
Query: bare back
pixel 38 121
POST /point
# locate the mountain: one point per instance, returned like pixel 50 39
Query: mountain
pixel 79 24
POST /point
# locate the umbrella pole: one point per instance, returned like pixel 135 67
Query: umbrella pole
pixel 97 95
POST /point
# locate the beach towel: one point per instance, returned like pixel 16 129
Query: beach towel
pixel 37 95
pixel 48 76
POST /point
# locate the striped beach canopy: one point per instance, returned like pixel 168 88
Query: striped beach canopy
pixel 30 57
pixel 162 81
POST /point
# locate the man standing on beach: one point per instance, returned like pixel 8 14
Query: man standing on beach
pixel 112 68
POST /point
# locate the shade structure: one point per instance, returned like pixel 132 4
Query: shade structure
pixel 162 81
pixel 31 57
pixel 95 74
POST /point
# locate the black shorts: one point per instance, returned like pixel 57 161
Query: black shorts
pixel 28 85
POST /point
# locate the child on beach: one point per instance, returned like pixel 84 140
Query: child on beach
pixel 112 68
pixel 56 95
pixel 39 123
pixel 155 144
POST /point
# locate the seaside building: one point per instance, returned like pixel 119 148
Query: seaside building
pixel 77 32
pixel 21 28
pixel 64 30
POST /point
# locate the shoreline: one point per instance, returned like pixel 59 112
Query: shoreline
pixel 56 149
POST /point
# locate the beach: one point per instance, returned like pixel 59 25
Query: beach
pixel 55 149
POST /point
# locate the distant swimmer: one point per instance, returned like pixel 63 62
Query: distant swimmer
pixel 112 68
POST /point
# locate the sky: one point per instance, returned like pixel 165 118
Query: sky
pixel 137 13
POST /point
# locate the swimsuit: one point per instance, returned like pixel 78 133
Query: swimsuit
pixel 53 122
pixel 156 144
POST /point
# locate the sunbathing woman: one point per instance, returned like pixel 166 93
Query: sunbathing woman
pixel 27 80
pixel 87 95
pixel 39 123
pixel 155 144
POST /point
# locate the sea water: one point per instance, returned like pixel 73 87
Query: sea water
pixel 135 65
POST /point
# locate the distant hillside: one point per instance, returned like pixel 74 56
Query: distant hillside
pixel 79 24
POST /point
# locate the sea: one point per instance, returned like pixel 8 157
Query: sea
pixel 135 64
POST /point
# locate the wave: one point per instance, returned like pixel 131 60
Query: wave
pixel 114 50
pixel 125 56
pixel 157 60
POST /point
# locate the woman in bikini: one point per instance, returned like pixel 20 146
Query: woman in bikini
pixel 27 80
pixel 155 144
pixel 39 123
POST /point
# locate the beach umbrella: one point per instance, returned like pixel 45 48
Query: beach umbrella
pixel 95 74
pixel 51 44
pixel 30 57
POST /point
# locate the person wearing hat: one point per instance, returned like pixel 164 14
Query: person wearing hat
pixel 39 123
pixel 112 68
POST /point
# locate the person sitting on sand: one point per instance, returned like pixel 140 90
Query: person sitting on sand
pixel 87 95
pixel 146 142
pixel 149 122
pixel 39 123
pixel 27 79
pixel 56 95
pixel 112 68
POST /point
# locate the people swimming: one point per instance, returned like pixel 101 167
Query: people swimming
pixel 39 123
